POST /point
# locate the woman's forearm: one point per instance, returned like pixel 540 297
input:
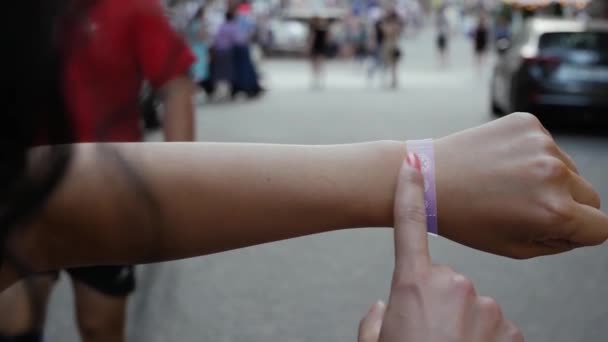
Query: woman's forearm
pixel 504 187
pixel 134 203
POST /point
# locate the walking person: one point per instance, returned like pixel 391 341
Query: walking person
pixel 359 39
pixel 246 78
pixel 391 27
pixel 223 72
pixel 197 35
pixel 480 43
pixel 376 39
pixel 318 45
pixel 443 34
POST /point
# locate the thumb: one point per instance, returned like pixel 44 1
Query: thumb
pixel 370 325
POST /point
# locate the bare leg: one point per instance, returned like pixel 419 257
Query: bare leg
pixel 481 62
pixel 100 317
pixel 394 76
pixel 317 70
pixel 26 302
pixel 478 61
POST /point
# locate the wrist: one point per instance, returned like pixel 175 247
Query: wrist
pixel 390 156
pixel 424 149
pixel 452 190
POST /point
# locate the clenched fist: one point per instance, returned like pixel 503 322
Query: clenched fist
pixel 506 188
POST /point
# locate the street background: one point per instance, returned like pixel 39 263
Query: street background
pixel 317 288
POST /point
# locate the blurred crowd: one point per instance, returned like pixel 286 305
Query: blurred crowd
pixel 230 38
pixel 221 39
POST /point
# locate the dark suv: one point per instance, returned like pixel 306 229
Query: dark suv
pixel 553 66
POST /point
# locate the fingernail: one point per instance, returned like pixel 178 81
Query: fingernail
pixel 413 160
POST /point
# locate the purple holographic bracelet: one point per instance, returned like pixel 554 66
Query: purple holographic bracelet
pixel 424 150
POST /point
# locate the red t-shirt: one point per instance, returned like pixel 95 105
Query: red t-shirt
pixel 108 55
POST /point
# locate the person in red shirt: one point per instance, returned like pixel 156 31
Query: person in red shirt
pixel 110 47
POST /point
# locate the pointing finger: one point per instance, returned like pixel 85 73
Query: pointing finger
pixel 411 241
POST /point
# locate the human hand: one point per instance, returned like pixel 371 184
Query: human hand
pixel 506 188
pixel 429 303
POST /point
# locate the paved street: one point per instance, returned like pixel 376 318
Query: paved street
pixel 317 288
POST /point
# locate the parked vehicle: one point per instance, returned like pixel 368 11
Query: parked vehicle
pixel 553 66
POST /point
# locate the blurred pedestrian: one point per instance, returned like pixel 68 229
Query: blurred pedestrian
pixel 318 46
pixel 197 35
pixel 502 32
pixel 246 77
pixel 357 36
pixel 480 42
pixel 225 39
pixel 106 59
pixel 375 43
pixel 443 34
pixel 391 27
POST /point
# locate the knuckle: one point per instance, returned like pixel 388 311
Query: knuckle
pixel 463 285
pixel 414 213
pixel 546 144
pixel 490 308
pixel 559 211
pixel 527 119
pixel 550 168
pixel 444 269
pixel 412 280
pixel 408 283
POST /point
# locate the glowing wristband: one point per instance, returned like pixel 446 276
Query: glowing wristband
pixel 424 150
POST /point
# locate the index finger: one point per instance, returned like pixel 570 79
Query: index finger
pixel 411 241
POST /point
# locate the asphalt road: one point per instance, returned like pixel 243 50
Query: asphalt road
pixel 317 288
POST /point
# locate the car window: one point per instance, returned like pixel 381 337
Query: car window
pixel 594 41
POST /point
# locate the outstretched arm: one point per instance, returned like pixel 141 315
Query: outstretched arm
pixel 504 187
pixel 137 203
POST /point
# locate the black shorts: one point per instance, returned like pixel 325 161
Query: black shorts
pixel 442 42
pixel 319 51
pixel 114 281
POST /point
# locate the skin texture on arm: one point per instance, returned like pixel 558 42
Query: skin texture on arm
pixel 139 203
pixel 177 95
